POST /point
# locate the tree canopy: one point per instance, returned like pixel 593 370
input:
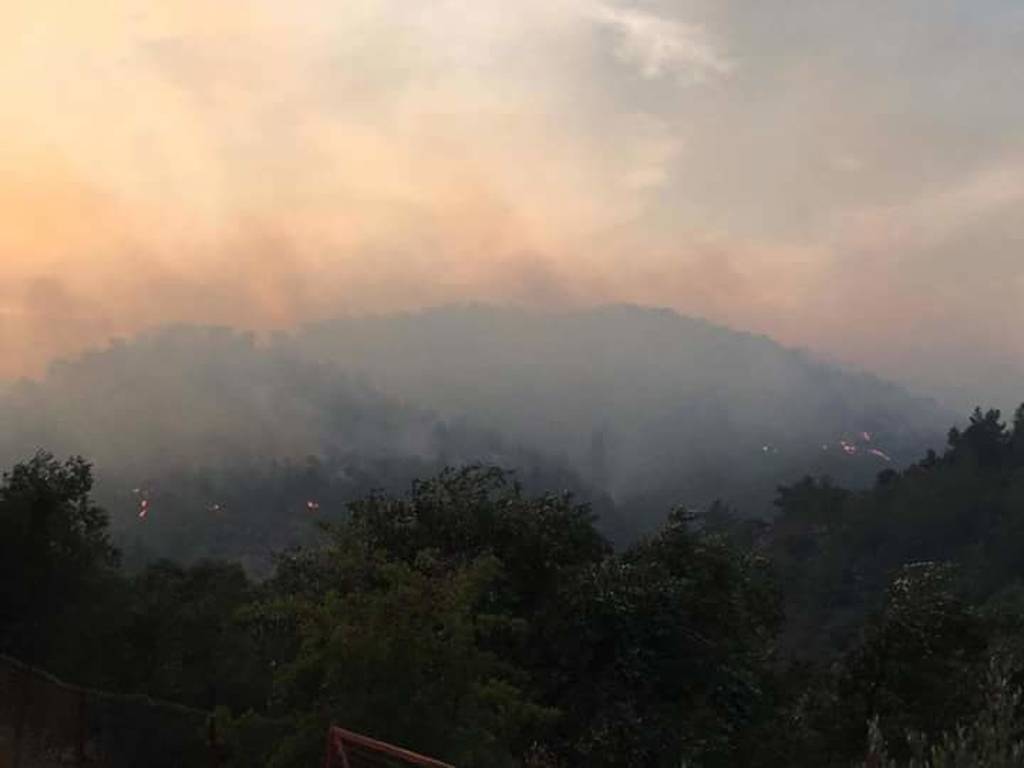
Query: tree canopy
pixel 491 625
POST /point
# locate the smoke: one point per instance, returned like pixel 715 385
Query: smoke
pixel 261 166
pixel 265 164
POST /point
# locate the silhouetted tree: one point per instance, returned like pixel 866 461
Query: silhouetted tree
pixel 56 561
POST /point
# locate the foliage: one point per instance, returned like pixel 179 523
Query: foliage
pixel 473 620
pixel 897 595
pixel 992 739
pixel 919 665
pixel 182 641
pixel 56 561
pixel 413 621
pixel 664 651
pixel 398 653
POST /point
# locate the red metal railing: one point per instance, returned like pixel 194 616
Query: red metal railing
pixel 346 749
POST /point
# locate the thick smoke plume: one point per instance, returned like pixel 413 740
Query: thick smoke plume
pixel 266 164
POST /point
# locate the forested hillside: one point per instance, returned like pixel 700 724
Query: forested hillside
pixel 490 626
pixel 530 384
pixel 653 407
pixel 229 448
pixel 230 442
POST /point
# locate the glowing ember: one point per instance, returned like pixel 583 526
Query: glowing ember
pixel 881 454
pixel 143 508
pixel 312 506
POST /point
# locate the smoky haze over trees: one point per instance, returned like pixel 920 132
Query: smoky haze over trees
pixel 492 626
pixel 641 401
pixel 400 366
pixel 637 409
pixel 233 446
pixel 616 537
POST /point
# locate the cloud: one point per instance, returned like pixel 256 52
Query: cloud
pixel 659 46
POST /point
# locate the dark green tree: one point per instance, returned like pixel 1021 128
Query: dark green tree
pixel 58 569
pixel 665 652
pixel 184 642
pixel 920 668
pixel 417 620
pixel 400 651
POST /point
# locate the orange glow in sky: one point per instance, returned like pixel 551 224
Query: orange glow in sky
pixel 836 179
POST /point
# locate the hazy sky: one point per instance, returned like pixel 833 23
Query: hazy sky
pixel 847 176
